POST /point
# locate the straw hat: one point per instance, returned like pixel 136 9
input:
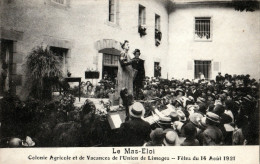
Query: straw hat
pixel 171 139
pixel 137 110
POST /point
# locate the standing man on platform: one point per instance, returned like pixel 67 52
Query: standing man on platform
pixel 138 64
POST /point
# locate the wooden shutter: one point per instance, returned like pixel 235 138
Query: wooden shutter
pixel 140 15
pixel 144 16
pixel 190 65
pixel 117 12
pixel 216 66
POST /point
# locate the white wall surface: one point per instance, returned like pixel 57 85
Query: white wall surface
pixel 235 41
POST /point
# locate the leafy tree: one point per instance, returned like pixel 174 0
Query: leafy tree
pixel 247 5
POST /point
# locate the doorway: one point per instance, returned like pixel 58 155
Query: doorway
pixel 110 66
pixel 6 67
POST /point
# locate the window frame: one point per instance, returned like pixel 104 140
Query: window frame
pixel 116 14
pixel 141 15
pixel 110 4
pixel 210 70
pixel 65 58
pixel 195 38
pixel 111 58
pixel 156 24
pixel 55 4
pixel 63 4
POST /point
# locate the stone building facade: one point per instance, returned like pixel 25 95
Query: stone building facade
pixel 88 34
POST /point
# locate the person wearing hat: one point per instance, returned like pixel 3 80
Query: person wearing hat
pixel 178 104
pixel 165 123
pixel 171 139
pixel 182 116
pixel 219 77
pixel 200 100
pixel 180 92
pixel 223 118
pixel 138 65
pixel 212 135
pixel 202 109
pixel 190 133
pixel 194 92
pixel 174 117
pixel 136 131
pixel 241 128
pixel 210 99
pixel 157 137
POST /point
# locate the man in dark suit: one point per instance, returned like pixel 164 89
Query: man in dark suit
pixel 138 64
pixel 219 77
pixel 136 131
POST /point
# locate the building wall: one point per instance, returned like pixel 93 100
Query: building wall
pixel 79 26
pixel 235 41
pixel 82 27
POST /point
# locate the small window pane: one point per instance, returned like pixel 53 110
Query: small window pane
pixel 157 22
pixel 202 28
pixel 142 15
pixel 111 9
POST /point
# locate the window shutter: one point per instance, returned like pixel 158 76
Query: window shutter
pixel 144 16
pixel 117 12
pixel 190 65
pixel 159 23
pixel 140 15
pixel 216 66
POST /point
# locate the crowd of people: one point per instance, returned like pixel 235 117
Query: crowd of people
pixel 224 111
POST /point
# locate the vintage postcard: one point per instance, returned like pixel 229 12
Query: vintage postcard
pixel 129 81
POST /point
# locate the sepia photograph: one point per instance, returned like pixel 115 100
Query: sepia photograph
pixel 129 73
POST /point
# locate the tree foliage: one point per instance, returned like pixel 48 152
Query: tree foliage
pixel 247 5
pixel 43 71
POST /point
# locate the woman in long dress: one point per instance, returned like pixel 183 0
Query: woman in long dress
pixel 125 75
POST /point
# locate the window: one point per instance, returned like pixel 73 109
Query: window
pixel 202 67
pixel 62 52
pixel 203 28
pixel 157 22
pixel 113 11
pixel 61 2
pixel 141 20
pixel 111 60
pixel 157 69
pixel 158 34
pixel 110 65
